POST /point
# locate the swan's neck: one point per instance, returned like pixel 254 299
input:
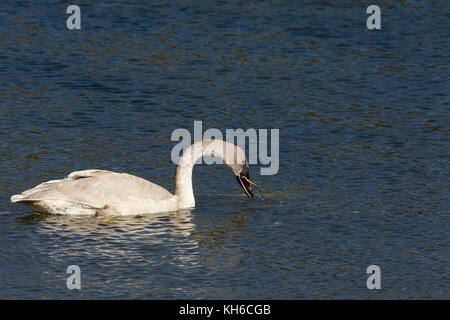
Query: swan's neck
pixel 183 178
pixel 228 153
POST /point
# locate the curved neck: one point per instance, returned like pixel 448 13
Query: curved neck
pixel 226 153
pixel 183 177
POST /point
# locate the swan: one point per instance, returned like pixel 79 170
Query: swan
pixel 106 192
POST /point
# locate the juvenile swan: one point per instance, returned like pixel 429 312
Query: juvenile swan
pixel 100 191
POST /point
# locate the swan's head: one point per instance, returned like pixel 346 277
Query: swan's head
pixel 233 158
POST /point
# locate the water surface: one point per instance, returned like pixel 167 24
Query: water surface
pixel 363 119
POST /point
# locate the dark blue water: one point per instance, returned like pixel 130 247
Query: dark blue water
pixel 363 120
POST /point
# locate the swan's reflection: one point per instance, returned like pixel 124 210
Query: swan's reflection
pixel 141 256
pixel 167 241
pixel 112 240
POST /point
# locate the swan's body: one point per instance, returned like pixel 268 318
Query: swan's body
pixel 106 192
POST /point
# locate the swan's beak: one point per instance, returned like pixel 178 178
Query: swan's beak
pixel 245 184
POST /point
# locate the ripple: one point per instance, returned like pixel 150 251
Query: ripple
pixel 363 149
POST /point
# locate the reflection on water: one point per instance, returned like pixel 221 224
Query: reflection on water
pixel 114 248
pixel 97 237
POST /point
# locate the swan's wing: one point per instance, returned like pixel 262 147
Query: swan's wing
pixel 95 188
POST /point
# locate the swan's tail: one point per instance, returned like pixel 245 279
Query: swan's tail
pixel 17 198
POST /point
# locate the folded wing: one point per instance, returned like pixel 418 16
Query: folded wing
pixel 95 188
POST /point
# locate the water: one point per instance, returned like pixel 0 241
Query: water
pixel 363 119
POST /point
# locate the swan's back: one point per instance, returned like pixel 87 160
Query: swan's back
pixel 95 190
